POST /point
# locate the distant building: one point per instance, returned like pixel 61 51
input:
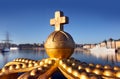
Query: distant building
pixel 103 44
pixel 78 45
pixel 88 46
pixel 93 45
pixel 117 44
pixel 111 43
pixel 31 46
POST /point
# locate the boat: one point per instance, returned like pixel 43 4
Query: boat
pixel 102 51
pixel 6 49
pixel 14 48
pixel 6 45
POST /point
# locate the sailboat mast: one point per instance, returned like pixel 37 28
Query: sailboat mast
pixel 7 40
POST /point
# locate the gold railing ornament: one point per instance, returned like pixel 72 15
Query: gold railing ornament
pixel 59 46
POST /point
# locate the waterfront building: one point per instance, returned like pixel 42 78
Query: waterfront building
pixel 111 43
pixel 86 46
pixel 117 44
pixel 103 43
pixel 31 46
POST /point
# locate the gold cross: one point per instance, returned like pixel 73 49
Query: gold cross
pixel 58 21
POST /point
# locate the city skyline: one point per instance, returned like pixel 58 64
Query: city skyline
pixel 90 21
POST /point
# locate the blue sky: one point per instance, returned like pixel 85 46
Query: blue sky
pixel 90 21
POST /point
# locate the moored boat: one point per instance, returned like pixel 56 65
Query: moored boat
pixel 14 48
pixel 102 51
pixel 5 49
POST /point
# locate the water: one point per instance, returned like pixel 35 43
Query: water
pixel 31 54
pixel 38 55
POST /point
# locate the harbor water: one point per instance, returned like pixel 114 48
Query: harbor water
pixel 82 56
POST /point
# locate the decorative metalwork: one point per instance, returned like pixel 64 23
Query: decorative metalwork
pixel 58 21
pixel 59 47
pixel 59 44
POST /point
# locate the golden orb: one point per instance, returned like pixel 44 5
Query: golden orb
pixel 107 67
pixel 59 44
pixel 117 74
pixel 108 73
pixel 116 68
pixel 98 71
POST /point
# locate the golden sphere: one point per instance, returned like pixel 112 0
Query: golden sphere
pixel 117 74
pixel 75 73
pixel 116 68
pixel 93 77
pixel 59 44
pixel 99 66
pixel 69 69
pixel 88 69
pixel 84 75
pixel 107 67
pixel 80 67
pixel 108 73
pixel 97 71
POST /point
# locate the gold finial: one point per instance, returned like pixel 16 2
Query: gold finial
pixel 58 21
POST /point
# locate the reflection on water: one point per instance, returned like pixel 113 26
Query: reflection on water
pixel 3 58
pixel 31 54
pixel 100 58
pixel 112 57
pixel 109 56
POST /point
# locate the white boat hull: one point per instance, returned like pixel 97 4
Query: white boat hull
pixel 14 48
pixel 102 52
